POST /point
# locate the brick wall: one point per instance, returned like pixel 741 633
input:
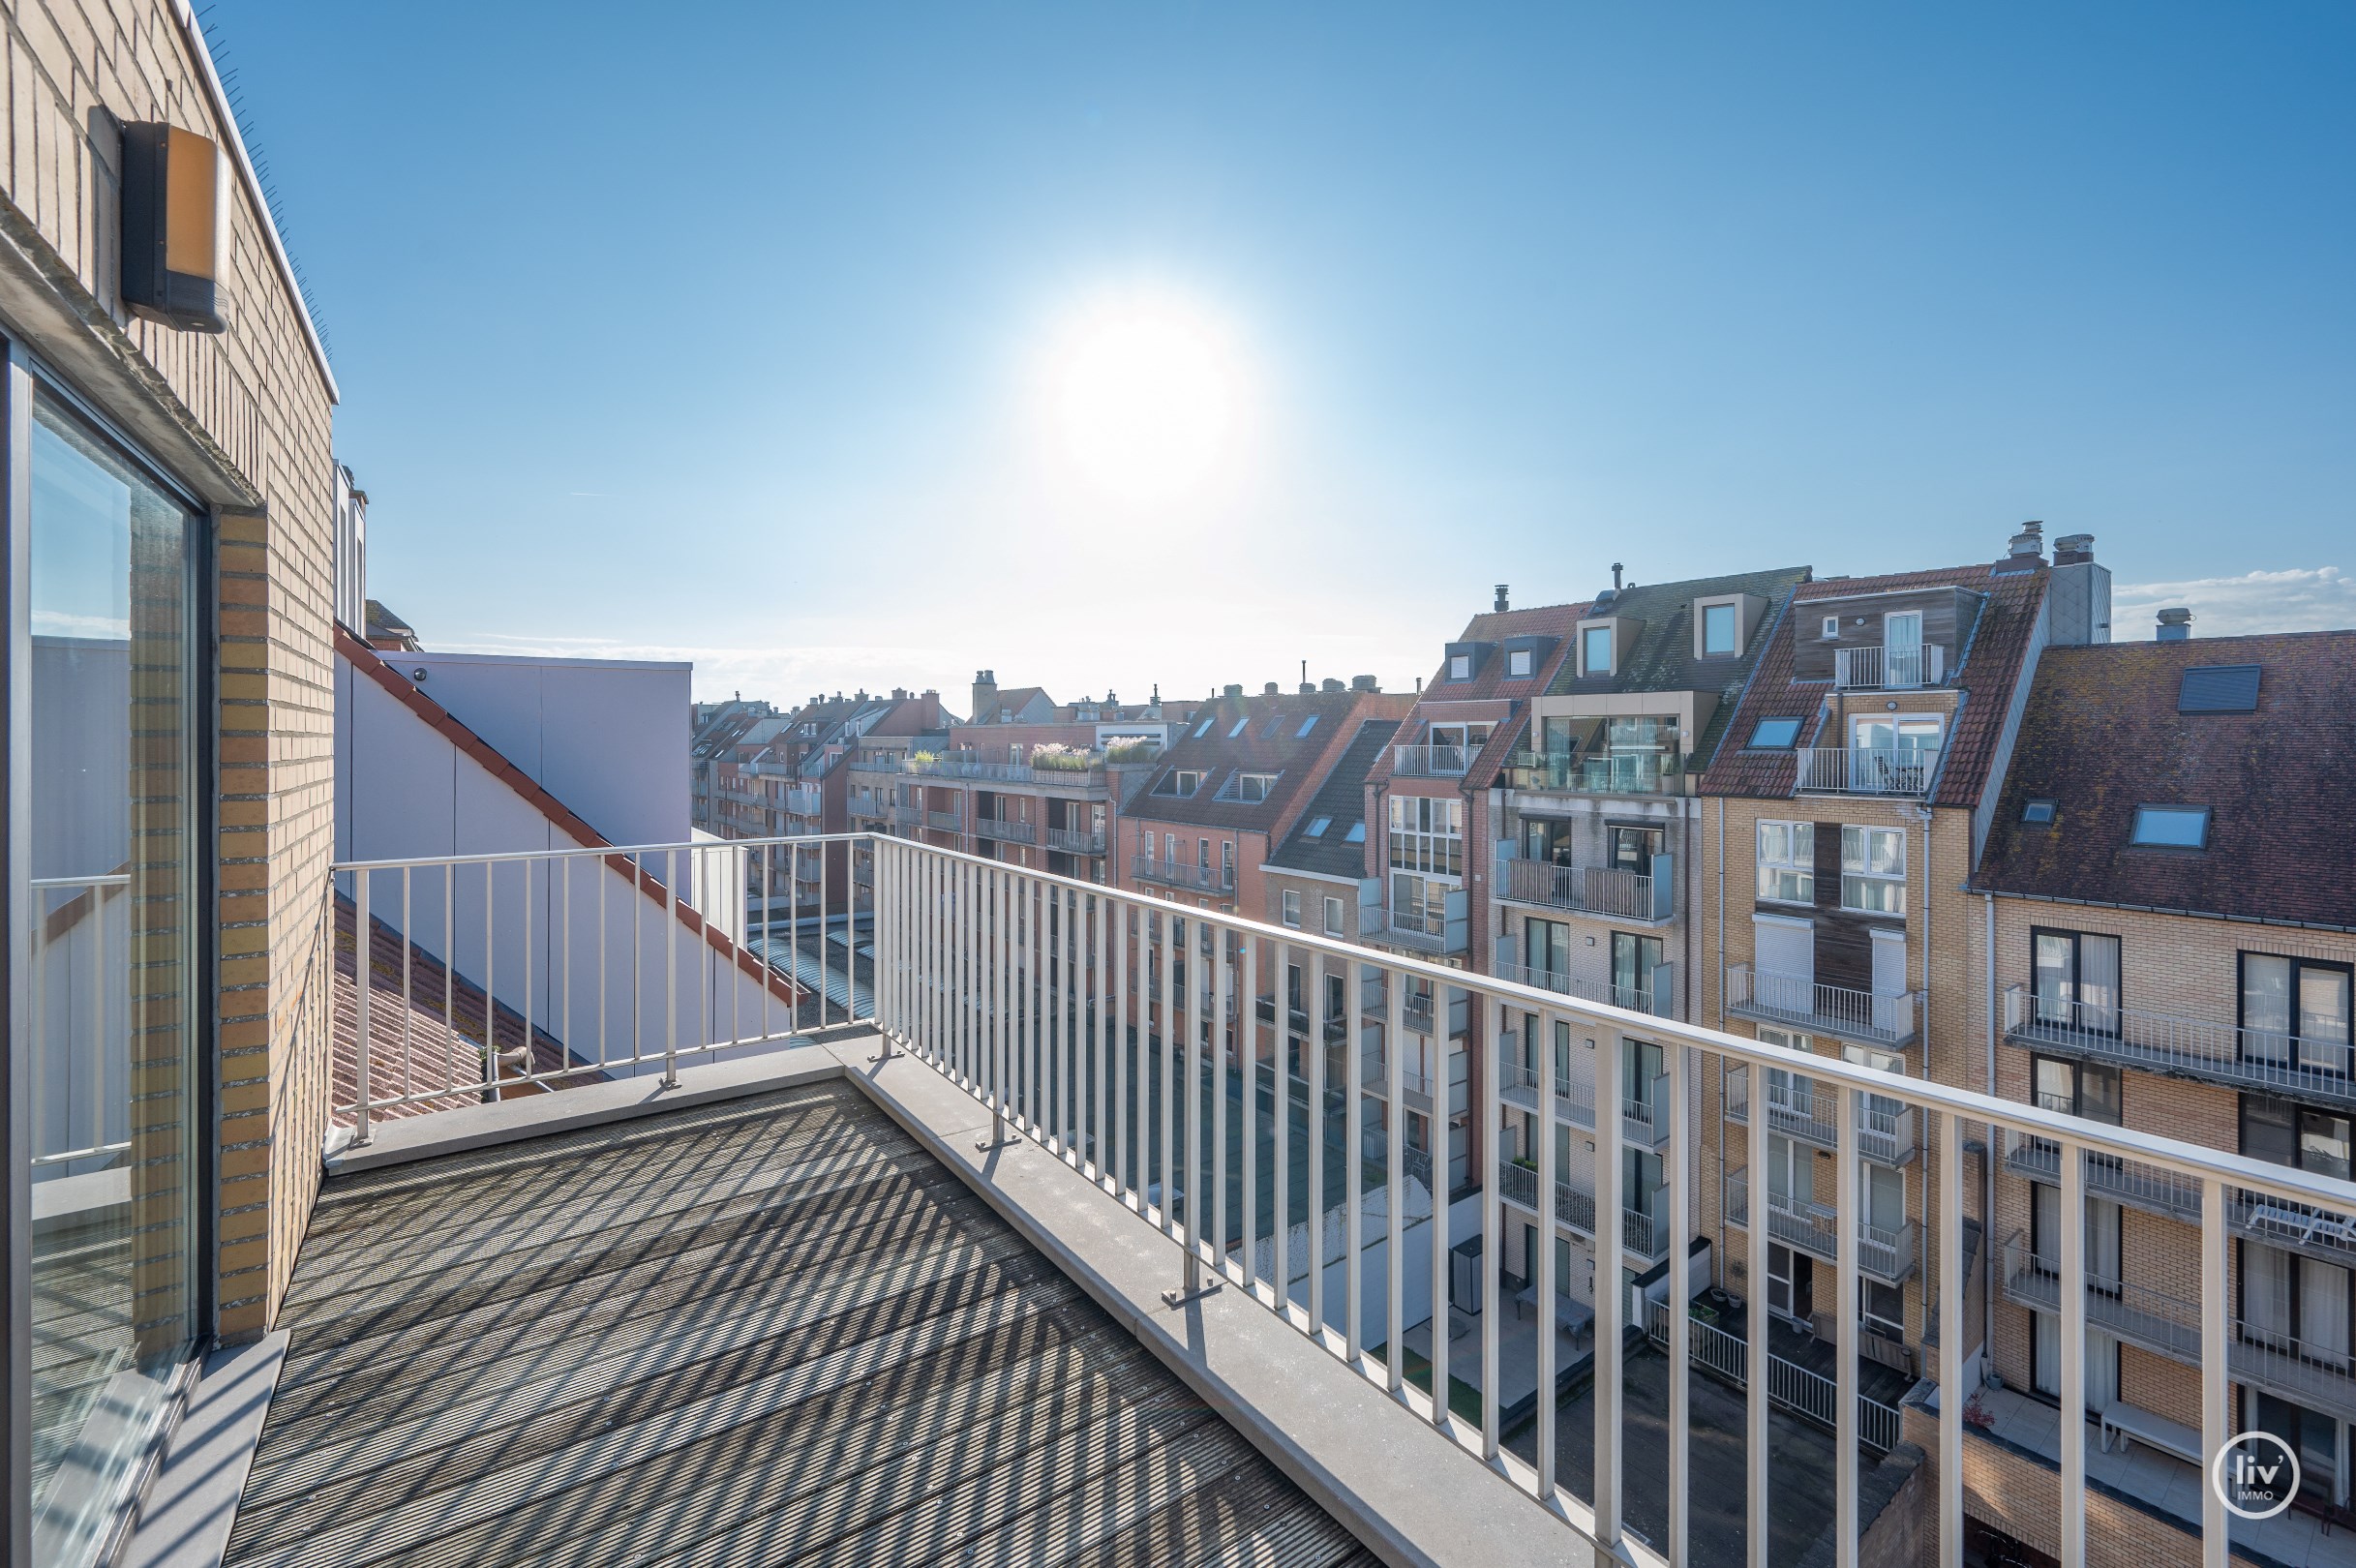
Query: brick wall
pixel 243 419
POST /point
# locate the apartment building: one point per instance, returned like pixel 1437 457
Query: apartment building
pixel 2164 896
pixel 1587 861
pixel 1229 788
pixel 1844 811
pixel 172 540
pixel 715 732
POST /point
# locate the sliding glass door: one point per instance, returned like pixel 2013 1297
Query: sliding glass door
pixel 106 625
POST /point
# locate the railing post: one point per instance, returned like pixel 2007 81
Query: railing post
pixel 1680 1309
pixel 2215 1418
pixel 1611 1294
pixel 2073 1354
pixel 362 973
pixel 1542 1269
pixel 1755 1205
pixel 1849 1241
pixel 1003 1047
pixel 1951 1396
pixel 886 949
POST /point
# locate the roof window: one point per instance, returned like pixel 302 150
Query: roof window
pixel 2038 813
pixel 1775 734
pixel 1356 833
pixel 2219 688
pixel 1317 826
pixel 2163 827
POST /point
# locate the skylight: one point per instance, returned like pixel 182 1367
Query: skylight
pixel 1307 724
pixel 1356 833
pixel 1775 734
pixel 2219 688
pixel 1239 726
pixel 1204 728
pixel 1316 828
pixel 2038 813
pixel 2161 826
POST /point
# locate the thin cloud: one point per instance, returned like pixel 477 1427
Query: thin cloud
pixel 2301 598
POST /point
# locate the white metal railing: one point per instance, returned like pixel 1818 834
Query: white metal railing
pixel 1833 1009
pixel 1880 668
pixel 945 821
pixel 1434 761
pixel 1620 772
pixel 1602 993
pixel 1907 772
pixel 2170 1043
pixel 489 974
pixel 1887 1253
pixel 1597 889
pixel 1072 1057
pixel 1007 830
pixel 1790 1386
pixel 1076 840
pixel 1183 873
pixel 804 801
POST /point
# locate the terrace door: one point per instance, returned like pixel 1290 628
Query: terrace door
pixel 1902 648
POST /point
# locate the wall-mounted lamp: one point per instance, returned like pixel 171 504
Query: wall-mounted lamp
pixel 175 223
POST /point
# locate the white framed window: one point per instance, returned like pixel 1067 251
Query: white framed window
pixel 1873 870
pixel 1518 663
pixel 1720 630
pixel 1427 835
pixel 1227 858
pixel 1595 650
pixel 1179 781
pixel 1786 861
pixel 1248 787
pixel 1333 917
pixel 1460 667
pixel 1169 847
pixel 1293 908
pixel 1833 627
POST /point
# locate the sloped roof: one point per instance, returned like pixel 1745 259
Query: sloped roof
pixel 1441 696
pixel 1271 741
pixel 1663 658
pixel 1989 666
pixel 1341 797
pixel 2102 735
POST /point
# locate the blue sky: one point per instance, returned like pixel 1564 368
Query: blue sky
pixel 715 331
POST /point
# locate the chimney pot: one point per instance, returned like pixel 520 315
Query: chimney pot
pixel 2028 541
pixel 1331 684
pixel 1268 690
pixel 1234 689
pixel 1364 683
pixel 1615 570
pixel 2073 550
pixel 2175 625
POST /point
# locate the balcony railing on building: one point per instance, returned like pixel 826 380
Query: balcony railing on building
pixel 1807 1110
pixel 1887 1253
pixel 1659 997
pixel 1430 761
pixel 1076 840
pixel 1574 1207
pixel 1083 770
pixel 2271 1061
pixel 1905 772
pixel 1191 874
pixel 1790 1386
pixel 1880 668
pixel 1800 1002
pixel 1644 896
pixel 1625 772
pixel 1644 1109
pixel 970 965
pixel 804 802
pixel 2267 1355
pixel 943 820
pixel 1008 829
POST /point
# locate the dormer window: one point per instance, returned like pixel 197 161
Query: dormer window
pixel 1518 663
pixel 1460 667
pixel 1248 787
pixel 1180 781
pixel 1719 637
pixel 1595 650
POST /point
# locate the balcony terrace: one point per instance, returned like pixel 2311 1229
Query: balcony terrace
pixel 1187 874
pixel 1633 897
pixel 895 1293
pixel 1542 774
pixel 1878 668
pixel 1809 1111
pixel 1903 772
pixel 1007 830
pixel 2184 1047
pixel 1076 840
pixel 1814 1228
pixel 1798 1002
pixel 1645 1109
pixel 1660 1000
pixel 1436 761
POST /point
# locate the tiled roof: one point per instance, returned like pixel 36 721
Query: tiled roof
pixel 1491 684
pixel 1663 657
pixel 1341 799
pixel 1990 665
pixel 2102 735
pixel 1271 743
pixel 368 663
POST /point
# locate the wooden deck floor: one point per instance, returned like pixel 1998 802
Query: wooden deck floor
pixel 764 1332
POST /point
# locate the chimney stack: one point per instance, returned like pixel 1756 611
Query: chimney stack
pixel 1616 568
pixel 2175 626
pixel 2030 541
pixel 1364 683
pixel 1268 690
pixel 1502 604
pixel 1331 684
pixel 986 694
pixel 2073 550
pixel 1234 689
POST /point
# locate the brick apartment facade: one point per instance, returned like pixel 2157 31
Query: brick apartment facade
pixel 219 441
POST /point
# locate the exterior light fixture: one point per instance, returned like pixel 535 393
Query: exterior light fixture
pixel 175 227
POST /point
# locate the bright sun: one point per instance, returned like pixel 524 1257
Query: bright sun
pixel 1146 396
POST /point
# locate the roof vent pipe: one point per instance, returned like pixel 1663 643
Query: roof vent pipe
pixel 1502 604
pixel 2175 626
pixel 1616 569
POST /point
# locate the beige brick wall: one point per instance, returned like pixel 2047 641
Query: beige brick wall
pixel 243 419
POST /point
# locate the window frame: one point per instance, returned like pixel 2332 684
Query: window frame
pixel 1460 667
pixel 2157 810
pixel 1333 915
pixel 2294 1039
pixel 1520 663
pixel 1863 875
pixel 1706 614
pixel 1588 631
pixel 1290 908
pixel 1173 777
pixel 1801 869
pixel 1756 743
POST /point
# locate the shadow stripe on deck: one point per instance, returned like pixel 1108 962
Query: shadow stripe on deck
pixel 753 1333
